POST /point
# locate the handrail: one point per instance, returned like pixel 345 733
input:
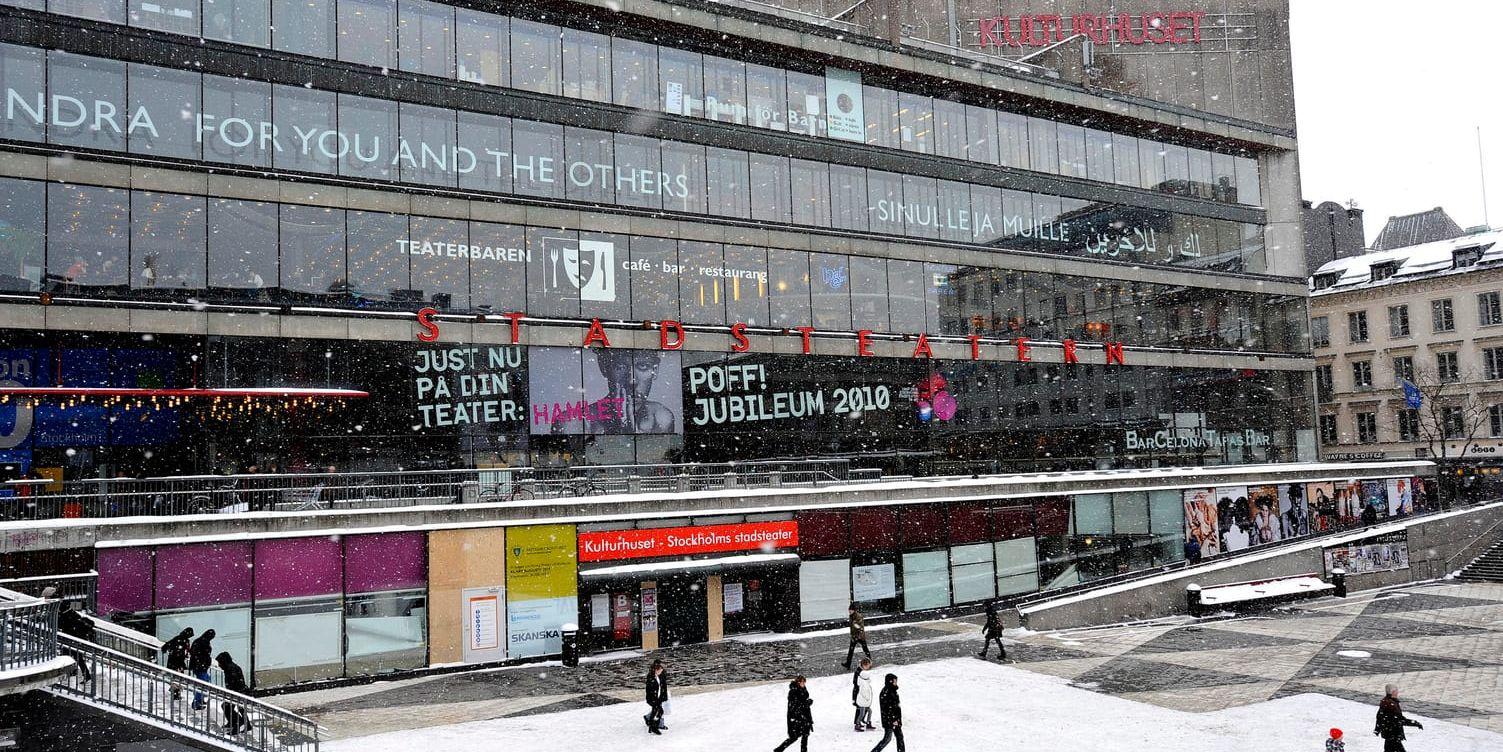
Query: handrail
pixel 28 633
pixel 165 697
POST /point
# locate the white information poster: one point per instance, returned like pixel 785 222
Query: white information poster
pixel 649 610
pixel 874 582
pixel 600 611
pixel 673 98
pixel 482 624
pixel 734 598
pixel 533 627
pixel 843 113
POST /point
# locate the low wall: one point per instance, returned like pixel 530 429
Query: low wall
pixel 1435 542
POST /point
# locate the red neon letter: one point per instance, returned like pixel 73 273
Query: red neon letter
pixel 738 333
pixel 1070 356
pixel 975 346
pixel 516 331
pixel 596 334
pixel 1114 354
pixel 804 331
pixel 923 347
pixel 678 335
pixel 429 326
pixel 1022 343
pixel 987 31
pixel 863 343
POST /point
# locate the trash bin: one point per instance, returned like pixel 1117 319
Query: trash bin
pixel 570 634
pixel 1192 600
pixel 1338 579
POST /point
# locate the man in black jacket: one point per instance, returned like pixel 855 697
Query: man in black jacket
pixel 200 658
pixel 858 636
pixel 800 715
pixel 657 694
pixel 1391 721
pixel 176 650
pixel 992 631
pixel 892 714
pixel 73 623
pixel 235 720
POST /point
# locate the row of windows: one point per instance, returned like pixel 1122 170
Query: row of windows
pixel 1409 424
pixel 1442 319
pixel 143 109
pixel 1447 370
pixel 108 241
pixel 432 38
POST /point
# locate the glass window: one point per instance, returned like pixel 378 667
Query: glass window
pixel 1177 168
pixel 882 120
pixel 172 16
pixel 1320 331
pixel 1442 316
pixel 167 241
pixel 298 616
pixel 235 113
pixel 810 183
pixel 986 213
pixel 766 97
pixel 1092 514
pixel 174 97
pixel 426 31
pixel 88 79
pixel 537 158
pixel 556 277
pixel 1200 174
pixel 1151 164
pixel 1356 326
pixel 438 251
pixel 306 111
pixel 242 246
pixel 22 234
pixel 634 73
pixel 1125 160
pixel 788 276
pixel 305 27
pixel 884 191
pixel 952 214
pixel 89 236
pixel 370 127
pixel 939 297
pixel 685 166
pixel 1223 177
pixel 484 47
pixel 920 206
pixel 1012 140
pixel 1099 158
pixel 981 134
pixel 378 268
pixel 745 285
pixel 590 156
pixel 1447 367
pixel 1043 145
pixel 1249 190
pixel 587 65
pixel 906 289
pixel 950 129
pixel 729 182
pixel 806 103
pixel 849 208
pixel 24 70
pixel 488 137
pixel 386 605
pixel 426 149
pixel 701 283
pixel 869 294
pixel 245 22
pixel 830 291
pixel 638 175
pixel 536 51
pixel 1072 150
pixel 916 117
pixel 681 82
pixel 1329 434
pixel 654 279
pixel 972 572
pixel 313 243
pixel 1130 512
pixel 1489 309
pixel 926 580
pixel 607 285
pixel 725 90
pixel 109 11
pixel 498 274
pixel 1017 566
pixel 1398 321
pixel 770 183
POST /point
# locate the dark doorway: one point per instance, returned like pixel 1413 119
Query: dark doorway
pixel 682 615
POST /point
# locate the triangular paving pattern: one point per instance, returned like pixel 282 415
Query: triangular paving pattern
pixel 1372 628
pixel 1201 701
pixel 1488 616
pixel 1401 602
pixel 1318 629
pixel 1113 642
pixel 1068 669
pixel 1441 694
pixel 1478 648
pixel 1366 692
pixel 1278 664
pixel 1330 662
pixel 1135 675
pixel 1198 638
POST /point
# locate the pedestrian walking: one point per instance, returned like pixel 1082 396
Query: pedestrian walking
pixel 800 715
pixel 862 695
pixel 1334 744
pixel 73 623
pixel 892 714
pixel 1391 721
pixel 1192 551
pixel 656 694
pixel 858 636
pixel 235 718
pixel 176 650
pixel 991 631
pixel 200 658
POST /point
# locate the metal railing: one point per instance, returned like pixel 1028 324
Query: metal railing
pixel 28 633
pixel 184 704
pixel 80 588
pixel 207 494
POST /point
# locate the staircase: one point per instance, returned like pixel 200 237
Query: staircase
pixel 1485 568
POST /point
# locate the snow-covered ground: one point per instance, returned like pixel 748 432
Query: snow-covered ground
pixel 949 705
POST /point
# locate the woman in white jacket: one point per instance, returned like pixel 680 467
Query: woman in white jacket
pixel 861 695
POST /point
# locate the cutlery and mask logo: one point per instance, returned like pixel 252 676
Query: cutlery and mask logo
pixel 580 268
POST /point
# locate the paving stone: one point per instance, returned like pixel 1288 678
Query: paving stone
pixel 1370 628
pixel 1198 638
pixel 1208 699
pixel 1279 664
pixel 1330 662
pixel 1123 675
pixel 1420 602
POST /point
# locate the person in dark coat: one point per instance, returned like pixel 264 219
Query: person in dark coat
pixel 991 631
pixel 858 636
pixel 200 658
pixel 1192 551
pixel 235 719
pixel 800 715
pixel 176 650
pixel 1391 721
pixel 892 714
pixel 656 694
pixel 73 623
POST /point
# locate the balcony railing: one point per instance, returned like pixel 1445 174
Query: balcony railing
pixel 28 634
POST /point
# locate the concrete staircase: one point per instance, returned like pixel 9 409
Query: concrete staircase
pixel 1485 568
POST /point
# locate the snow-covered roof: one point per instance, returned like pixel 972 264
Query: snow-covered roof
pixel 1413 262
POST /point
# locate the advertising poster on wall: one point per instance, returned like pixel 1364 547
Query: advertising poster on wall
pixel 633 391
pixel 468 385
pixel 1375 497
pixel 874 582
pixel 1263 505
pixel 1400 497
pixel 542 588
pixel 846 119
pixel 1201 521
pixel 1234 518
pixel 1381 553
pixel 1348 501
pixel 1294 510
pixel 483 623
pixel 1322 499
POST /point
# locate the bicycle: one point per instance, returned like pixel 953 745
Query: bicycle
pixel 505 492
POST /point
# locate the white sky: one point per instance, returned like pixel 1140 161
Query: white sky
pixel 1392 123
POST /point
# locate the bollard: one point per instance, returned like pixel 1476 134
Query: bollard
pixel 570 636
pixel 1338 578
pixel 1192 599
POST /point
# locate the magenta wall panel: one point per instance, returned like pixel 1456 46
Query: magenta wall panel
pixel 385 561
pixel 203 574
pixel 298 567
pixel 124 580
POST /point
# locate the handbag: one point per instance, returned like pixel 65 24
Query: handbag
pixel 667 707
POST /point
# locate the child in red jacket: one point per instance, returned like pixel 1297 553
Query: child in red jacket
pixel 1334 744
